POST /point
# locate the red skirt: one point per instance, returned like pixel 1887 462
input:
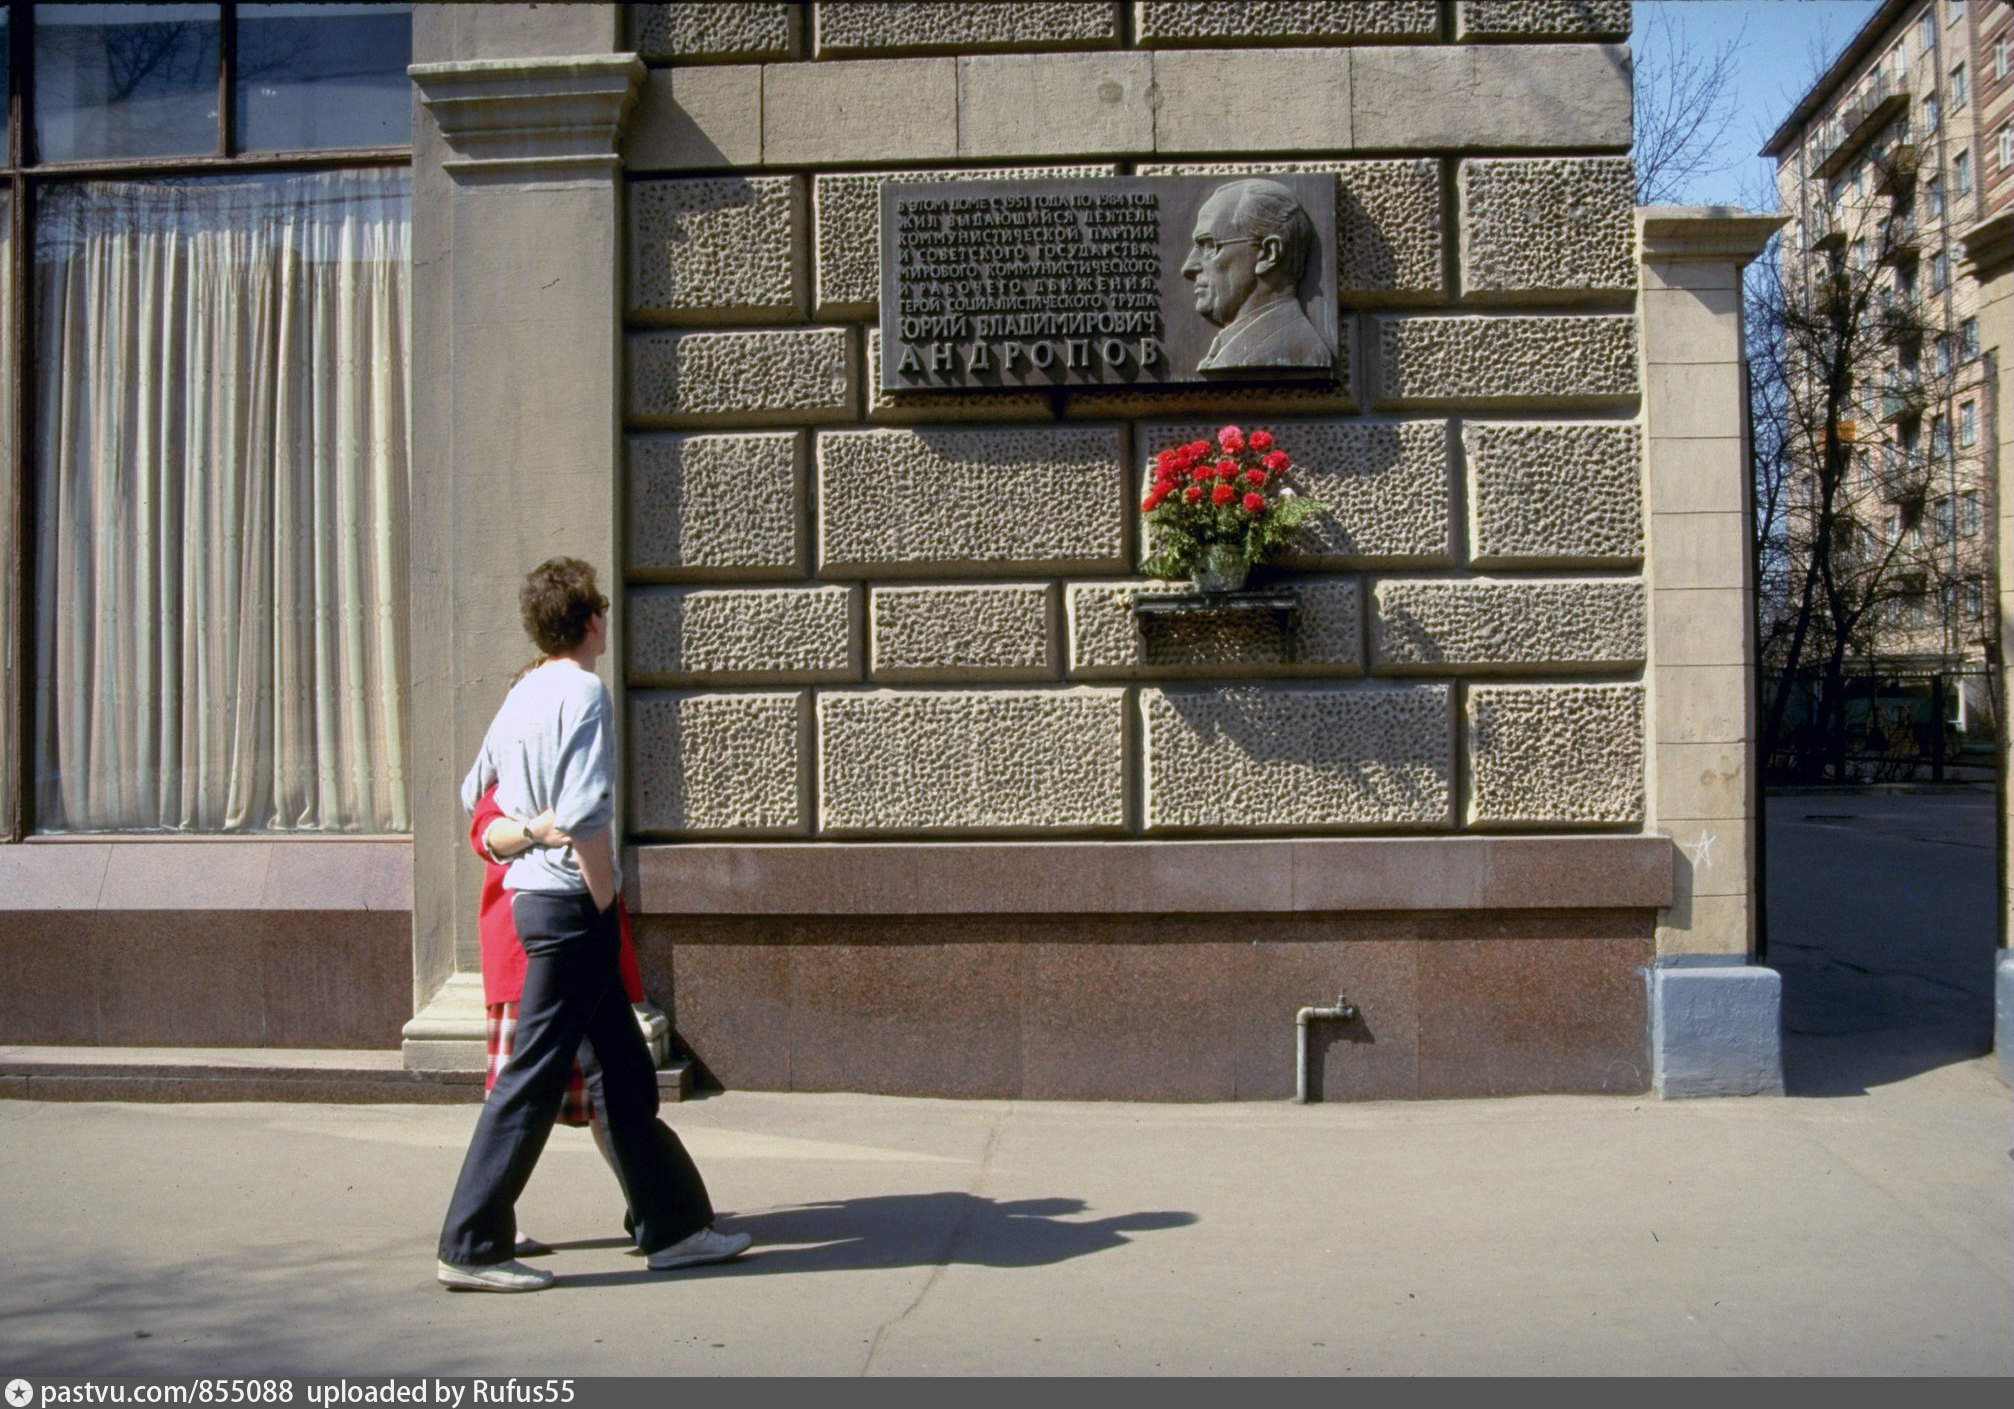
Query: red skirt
pixel 576 1107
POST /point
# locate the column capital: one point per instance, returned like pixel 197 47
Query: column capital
pixel 1703 232
pixel 516 116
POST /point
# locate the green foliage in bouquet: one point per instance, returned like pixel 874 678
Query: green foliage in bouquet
pixel 1228 499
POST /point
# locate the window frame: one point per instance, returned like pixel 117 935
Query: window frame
pixel 21 177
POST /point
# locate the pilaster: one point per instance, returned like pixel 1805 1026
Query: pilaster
pixel 1714 1025
pixel 517 208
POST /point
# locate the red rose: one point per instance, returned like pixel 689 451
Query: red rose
pixel 1255 476
pixel 1227 469
pixel 1151 502
pixel 1223 494
pixel 1193 493
pixel 1254 503
pixel 1261 441
pixel 1198 448
pixel 1231 438
pixel 1277 461
pixel 1164 459
pixel 1201 473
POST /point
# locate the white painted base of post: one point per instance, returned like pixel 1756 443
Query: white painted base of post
pixel 2003 1015
pixel 1716 1028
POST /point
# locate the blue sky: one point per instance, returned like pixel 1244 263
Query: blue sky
pixel 1785 45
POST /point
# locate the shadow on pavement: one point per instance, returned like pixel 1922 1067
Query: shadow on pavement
pixel 914 1230
pixel 1881 921
pixel 1852 1064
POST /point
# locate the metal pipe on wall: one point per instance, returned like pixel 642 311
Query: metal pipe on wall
pixel 1342 1008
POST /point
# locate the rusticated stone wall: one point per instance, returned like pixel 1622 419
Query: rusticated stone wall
pixel 854 615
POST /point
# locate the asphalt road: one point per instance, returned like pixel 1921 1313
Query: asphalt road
pixel 1881 921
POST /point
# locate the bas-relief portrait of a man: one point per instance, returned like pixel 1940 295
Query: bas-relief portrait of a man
pixel 1251 245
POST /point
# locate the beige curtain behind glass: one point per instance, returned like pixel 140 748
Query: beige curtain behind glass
pixel 9 549
pixel 221 446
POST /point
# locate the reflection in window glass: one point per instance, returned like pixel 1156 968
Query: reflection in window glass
pixel 6 57
pixel 125 81
pixel 323 76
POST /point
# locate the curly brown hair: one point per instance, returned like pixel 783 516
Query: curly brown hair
pixel 558 600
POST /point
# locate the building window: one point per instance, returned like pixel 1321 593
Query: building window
pixel 2000 59
pixel 1859 254
pixel 1940 440
pixel 1926 34
pixel 1945 360
pixel 1961 173
pixel 1968 513
pixel 2003 146
pixel 1933 198
pixel 1931 114
pixel 217 377
pixel 1968 339
pixel 1943 521
pixel 1940 271
pixel 1968 425
pixel 1958 88
pixel 1975 599
pixel 125 81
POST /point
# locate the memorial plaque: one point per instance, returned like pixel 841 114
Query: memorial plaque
pixel 1130 280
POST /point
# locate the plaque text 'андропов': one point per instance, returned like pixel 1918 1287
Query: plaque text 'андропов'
pixel 1012 284
pixel 1122 279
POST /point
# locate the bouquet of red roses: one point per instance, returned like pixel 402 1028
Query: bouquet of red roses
pixel 1217 509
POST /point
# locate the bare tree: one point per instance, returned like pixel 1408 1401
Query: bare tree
pixel 1858 515
pixel 1685 106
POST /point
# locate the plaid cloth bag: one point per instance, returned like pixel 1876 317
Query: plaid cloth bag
pixel 576 1107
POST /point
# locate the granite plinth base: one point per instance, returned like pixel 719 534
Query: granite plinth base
pixel 1716 1029
pixel 1160 1008
pixel 205 978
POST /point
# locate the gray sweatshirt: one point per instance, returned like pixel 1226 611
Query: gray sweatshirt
pixel 552 744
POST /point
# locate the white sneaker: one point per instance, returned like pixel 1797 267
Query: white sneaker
pixel 707 1245
pixel 508 1276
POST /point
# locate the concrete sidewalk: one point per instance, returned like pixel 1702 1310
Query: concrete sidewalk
pixel 1852 1234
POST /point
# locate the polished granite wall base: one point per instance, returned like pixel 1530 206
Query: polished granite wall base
pixel 1169 1008
pixel 205 978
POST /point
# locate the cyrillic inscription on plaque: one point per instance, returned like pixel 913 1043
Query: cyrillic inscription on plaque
pixel 1141 280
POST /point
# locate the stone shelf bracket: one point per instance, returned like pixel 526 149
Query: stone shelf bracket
pixel 1148 607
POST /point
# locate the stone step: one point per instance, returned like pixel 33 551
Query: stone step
pixel 249 1074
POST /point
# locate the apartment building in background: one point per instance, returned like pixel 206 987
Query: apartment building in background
pixel 1903 149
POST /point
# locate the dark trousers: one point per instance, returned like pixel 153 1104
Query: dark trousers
pixel 572 993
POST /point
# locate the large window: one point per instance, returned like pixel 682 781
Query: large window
pixel 221 415
pixel 206 262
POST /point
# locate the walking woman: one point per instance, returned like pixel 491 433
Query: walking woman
pixel 552 746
